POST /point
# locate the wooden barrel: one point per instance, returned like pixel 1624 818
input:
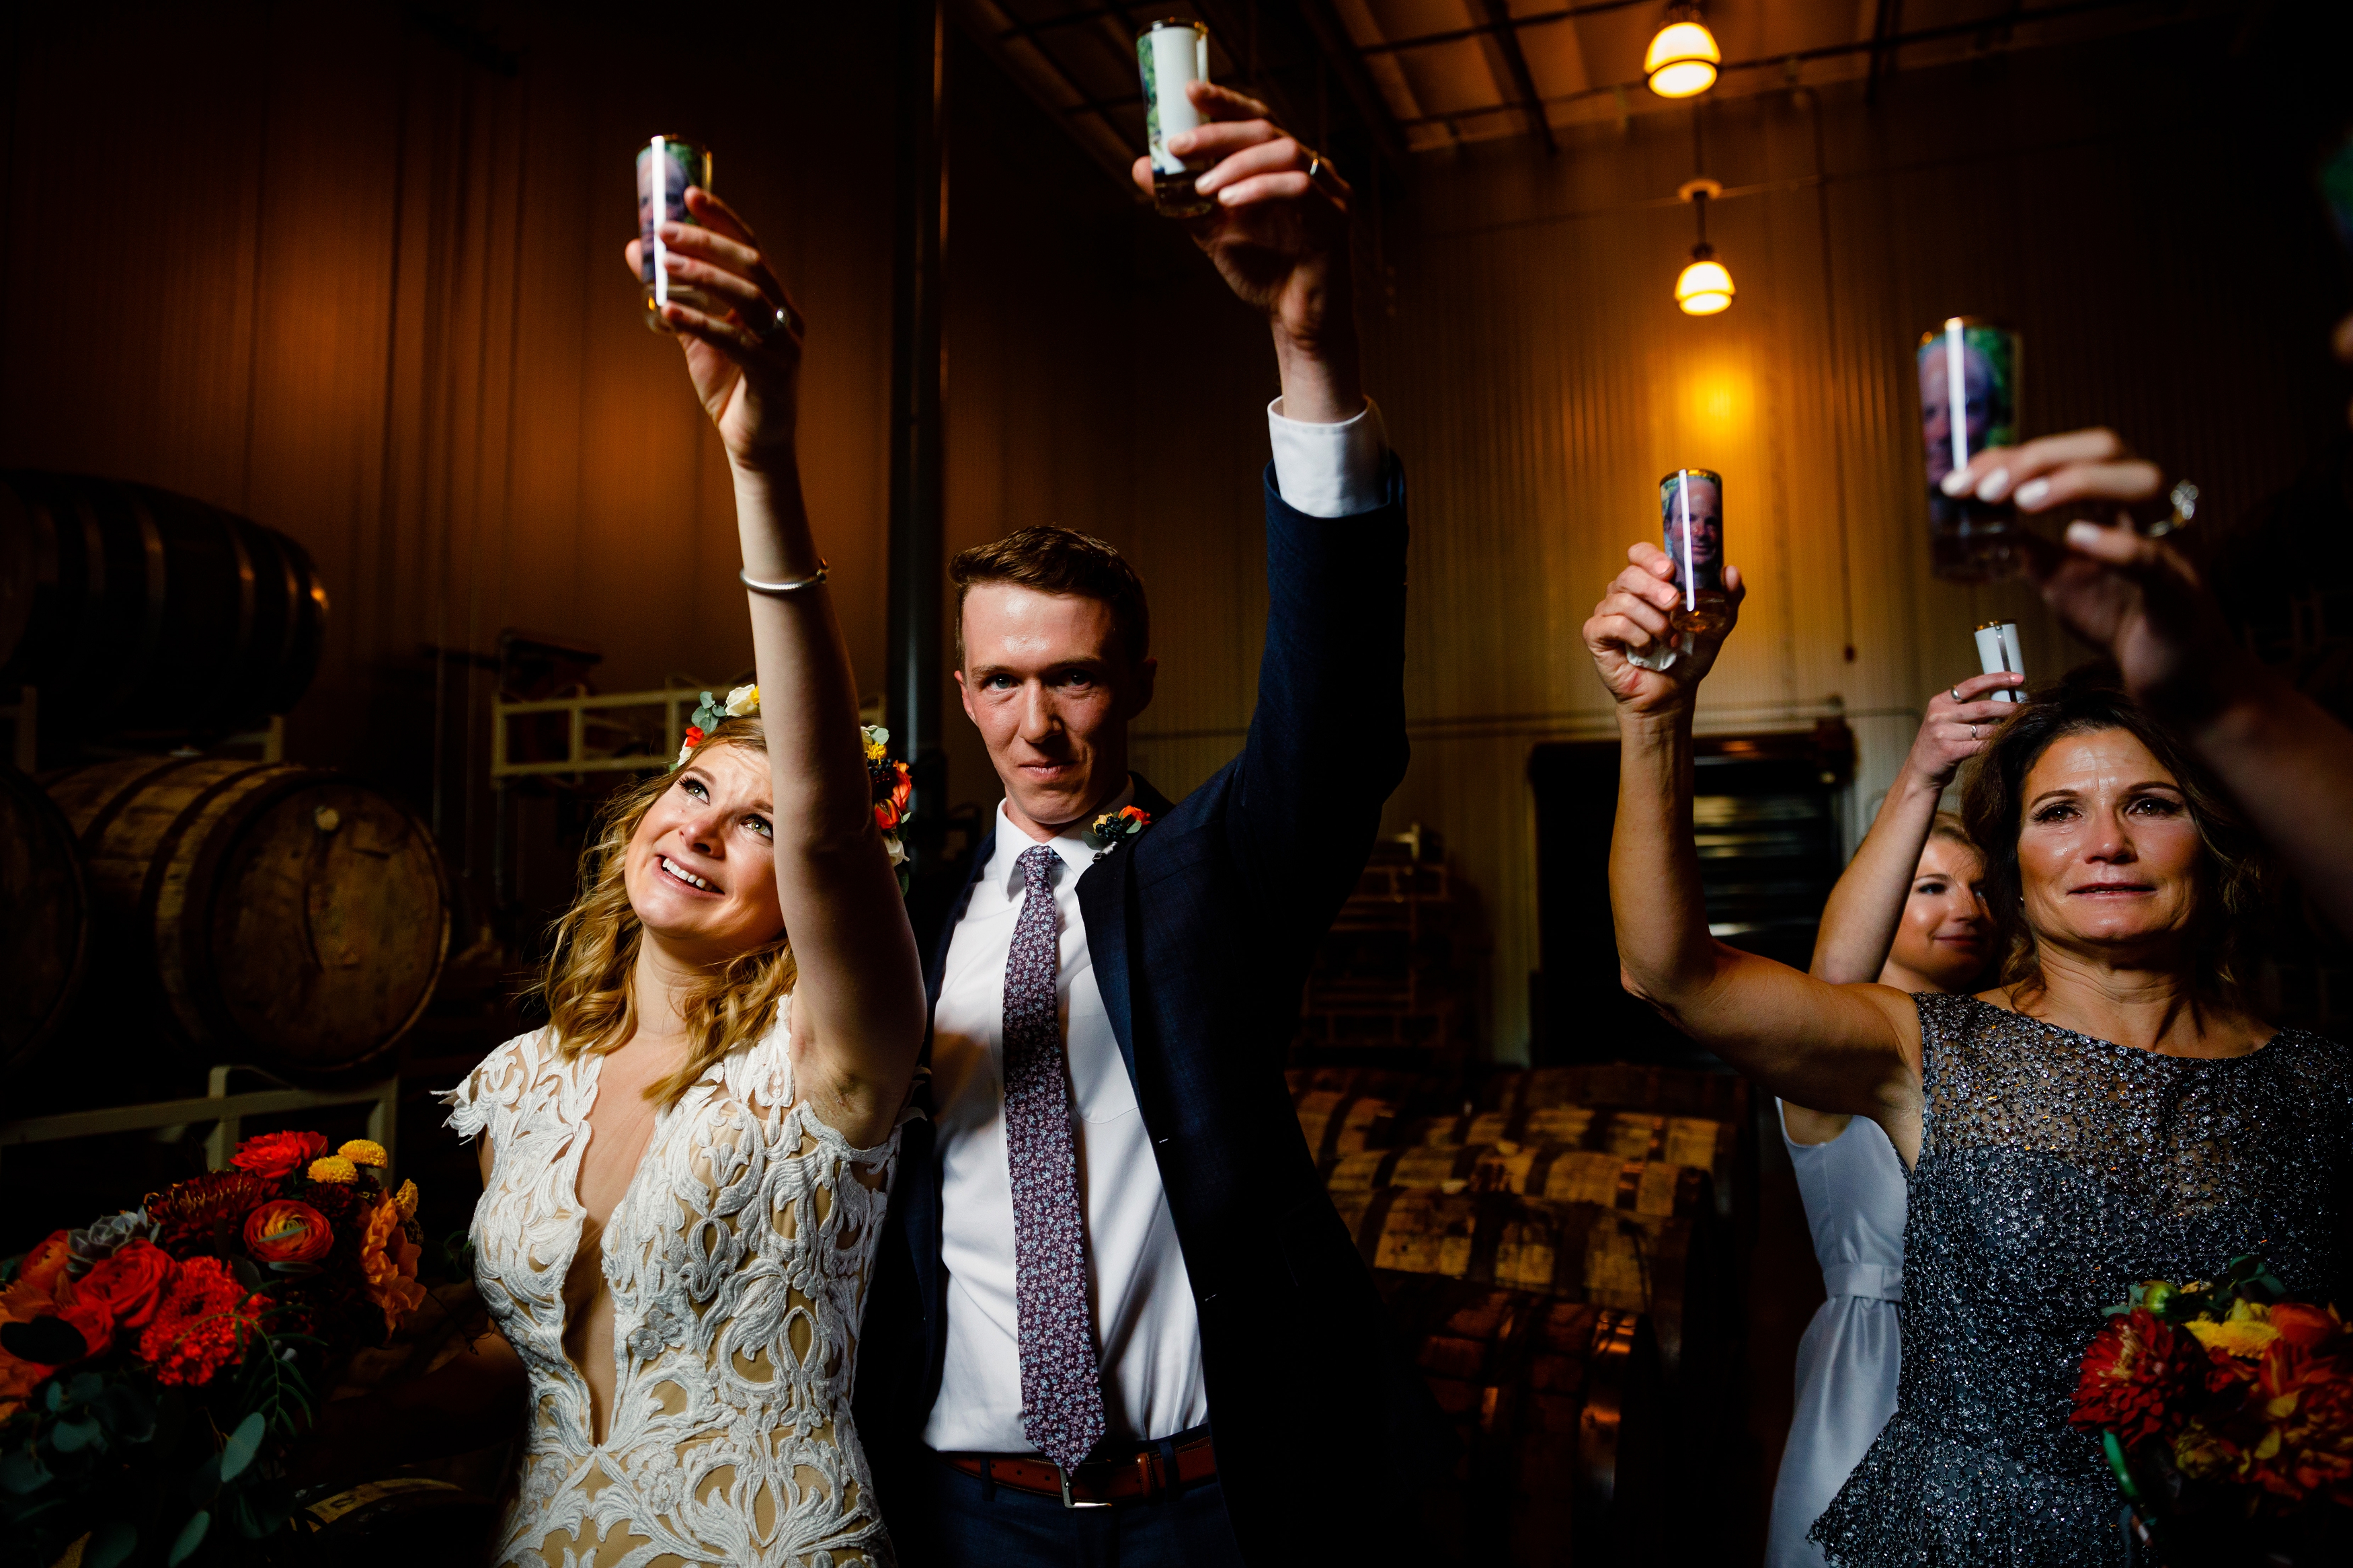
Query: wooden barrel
pixel 1552 1171
pixel 1622 1086
pixel 1665 1268
pixel 1555 1406
pixel 1337 1123
pixel 291 916
pixel 1694 1140
pixel 44 919
pixel 153 612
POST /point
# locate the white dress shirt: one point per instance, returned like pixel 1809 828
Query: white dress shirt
pixel 1148 1331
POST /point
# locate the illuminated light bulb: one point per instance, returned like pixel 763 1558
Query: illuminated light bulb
pixel 1683 58
pixel 1704 288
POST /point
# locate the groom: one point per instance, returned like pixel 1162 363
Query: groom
pixel 1114 1317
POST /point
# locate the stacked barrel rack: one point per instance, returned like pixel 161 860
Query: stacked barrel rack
pixel 1389 986
pixel 1558 1248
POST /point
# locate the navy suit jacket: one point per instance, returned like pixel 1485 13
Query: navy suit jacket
pixel 1202 930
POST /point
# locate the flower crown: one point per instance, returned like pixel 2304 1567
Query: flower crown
pixel 892 786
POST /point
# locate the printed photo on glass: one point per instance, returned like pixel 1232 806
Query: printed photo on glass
pixel 1969 372
pixel 1172 54
pixel 667 165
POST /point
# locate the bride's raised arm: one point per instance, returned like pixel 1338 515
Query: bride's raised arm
pixel 1851 1048
pixel 858 1008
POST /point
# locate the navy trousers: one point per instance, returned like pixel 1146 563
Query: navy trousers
pixel 961 1521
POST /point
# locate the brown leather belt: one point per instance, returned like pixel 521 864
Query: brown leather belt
pixel 1142 1477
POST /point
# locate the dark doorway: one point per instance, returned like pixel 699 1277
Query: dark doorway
pixel 1765 815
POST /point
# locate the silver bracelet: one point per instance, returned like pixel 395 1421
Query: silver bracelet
pixel 789 585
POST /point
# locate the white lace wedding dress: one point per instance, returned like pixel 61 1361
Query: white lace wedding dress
pixel 737 1260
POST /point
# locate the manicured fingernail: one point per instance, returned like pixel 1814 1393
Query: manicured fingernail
pixel 2031 494
pixel 2082 535
pixel 1181 143
pixel 1954 482
pixel 1994 486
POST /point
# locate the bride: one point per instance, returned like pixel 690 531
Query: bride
pixel 684 1171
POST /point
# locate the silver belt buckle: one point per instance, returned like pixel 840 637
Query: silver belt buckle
pixel 1069 1501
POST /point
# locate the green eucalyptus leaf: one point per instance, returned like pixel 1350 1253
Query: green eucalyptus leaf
pixel 21 1471
pixel 242 1445
pixel 73 1436
pixel 109 1544
pixel 205 1480
pixel 86 1388
pixel 191 1536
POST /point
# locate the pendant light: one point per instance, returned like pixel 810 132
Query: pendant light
pixel 1704 288
pixel 1683 58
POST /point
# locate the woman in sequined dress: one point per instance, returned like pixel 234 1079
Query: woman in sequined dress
pixel 1905 912
pixel 2111 1112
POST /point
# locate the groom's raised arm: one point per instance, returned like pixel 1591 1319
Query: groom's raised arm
pixel 1327 738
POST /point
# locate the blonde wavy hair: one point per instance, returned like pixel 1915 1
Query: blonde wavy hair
pixel 585 982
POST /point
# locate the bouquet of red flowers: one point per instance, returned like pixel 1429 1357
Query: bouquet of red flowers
pixel 152 1365
pixel 2226 1410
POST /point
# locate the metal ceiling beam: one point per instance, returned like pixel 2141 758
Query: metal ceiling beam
pixel 1507 40
pixel 997 43
pixel 1504 24
pixel 1793 57
pixel 1349 64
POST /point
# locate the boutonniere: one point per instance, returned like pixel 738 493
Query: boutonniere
pixel 1113 827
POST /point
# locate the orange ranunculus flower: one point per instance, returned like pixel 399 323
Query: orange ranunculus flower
pixel 45 1265
pixel 2303 1325
pixel 389 1262
pixel 277 1155
pixel 131 1282
pixel 287 1231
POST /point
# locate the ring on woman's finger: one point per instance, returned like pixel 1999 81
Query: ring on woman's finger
pixel 2184 496
pixel 1957 694
pixel 782 326
pixel 1973 732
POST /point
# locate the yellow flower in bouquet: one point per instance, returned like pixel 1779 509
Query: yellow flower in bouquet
pixel 2246 1333
pixel 365 1152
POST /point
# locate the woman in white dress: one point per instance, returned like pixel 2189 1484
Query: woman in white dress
pixel 684 1171
pixel 1905 913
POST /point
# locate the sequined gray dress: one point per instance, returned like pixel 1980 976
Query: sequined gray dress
pixel 2056 1170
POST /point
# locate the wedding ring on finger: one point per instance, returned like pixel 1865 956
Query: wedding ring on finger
pixel 2184 498
pixel 1957 694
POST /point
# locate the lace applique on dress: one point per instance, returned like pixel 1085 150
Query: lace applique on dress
pixel 737 1260
pixel 2056 1170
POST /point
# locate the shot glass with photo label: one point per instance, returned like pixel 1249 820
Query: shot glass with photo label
pixel 667 165
pixel 1691 526
pixel 1172 54
pixel 1969 375
pixel 1997 651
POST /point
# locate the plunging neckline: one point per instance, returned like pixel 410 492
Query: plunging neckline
pixel 588 1131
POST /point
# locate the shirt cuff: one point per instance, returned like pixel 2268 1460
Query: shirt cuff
pixel 1328 470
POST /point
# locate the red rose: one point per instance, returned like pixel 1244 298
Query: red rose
pixel 2303 1325
pixel 45 1264
pixel 2139 1378
pixel 694 734
pixel 131 1282
pixel 277 1155
pixel 287 1232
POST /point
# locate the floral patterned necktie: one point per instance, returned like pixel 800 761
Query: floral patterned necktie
pixel 1061 1386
